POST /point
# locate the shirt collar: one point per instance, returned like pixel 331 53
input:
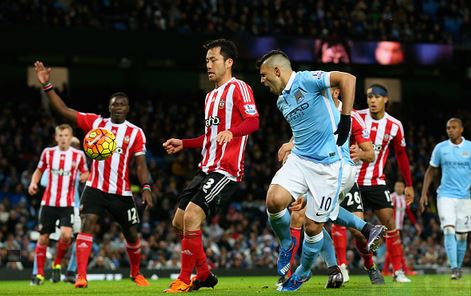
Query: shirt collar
pixel 290 81
pixel 457 145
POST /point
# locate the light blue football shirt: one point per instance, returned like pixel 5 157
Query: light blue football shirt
pixel 311 115
pixel 455 162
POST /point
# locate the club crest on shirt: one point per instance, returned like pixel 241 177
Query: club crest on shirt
pixel 221 104
pixel 298 95
pixel 126 139
pixel 386 137
pixel 465 154
pixel 365 134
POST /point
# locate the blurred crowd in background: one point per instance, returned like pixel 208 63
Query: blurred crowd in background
pixel 440 21
pixel 236 237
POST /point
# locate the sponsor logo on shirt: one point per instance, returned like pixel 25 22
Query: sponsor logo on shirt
pixel 61 172
pixel 212 120
pixel 297 112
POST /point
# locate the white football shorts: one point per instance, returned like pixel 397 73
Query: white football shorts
pixel 455 212
pixel 319 183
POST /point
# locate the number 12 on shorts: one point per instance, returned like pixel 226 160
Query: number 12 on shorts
pixel 132 216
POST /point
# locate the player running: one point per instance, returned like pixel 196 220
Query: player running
pixel 314 168
pixel 108 187
pixel 230 116
pixel 358 148
pixel 63 164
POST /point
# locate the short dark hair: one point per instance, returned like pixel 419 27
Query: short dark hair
pixel 119 94
pixel 228 48
pixel 269 55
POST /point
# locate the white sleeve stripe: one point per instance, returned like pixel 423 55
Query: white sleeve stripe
pixel 359 119
pixel 327 79
pixel 434 164
pixel 244 91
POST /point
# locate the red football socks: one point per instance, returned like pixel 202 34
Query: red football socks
pixel 296 234
pixel 134 253
pixel 339 236
pixel 62 248
pixel 83 246
pixel 40 258
pixel 394 248
pixel 191 246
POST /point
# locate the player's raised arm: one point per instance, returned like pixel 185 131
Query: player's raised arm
pixel 43 75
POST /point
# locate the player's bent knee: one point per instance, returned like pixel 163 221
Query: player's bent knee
pixel 191 219
pixel 277 200
pixel 312 228
pixel 449 229
pixel 88 222
pixel 44 239
pixel 177 221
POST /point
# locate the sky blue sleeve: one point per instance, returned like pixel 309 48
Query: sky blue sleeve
pixel 435 159
pixel 317 81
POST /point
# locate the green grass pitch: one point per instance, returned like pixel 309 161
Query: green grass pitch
pixel 424 285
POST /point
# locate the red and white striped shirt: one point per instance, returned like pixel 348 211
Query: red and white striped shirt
pixel 225 107
pixel 400 209
pixel 112 175
pixel 62 169
pixel 383 132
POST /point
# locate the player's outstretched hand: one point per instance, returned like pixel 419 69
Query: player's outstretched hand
pixel 173 145
pixel 32 189
pixel 409 192
pixel 298 204
pixel 224 137
pixel 343 129
pixel 42 73
pixel 284 151
pixel 147 199
pixel 423 202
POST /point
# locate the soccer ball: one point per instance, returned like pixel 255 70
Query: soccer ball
pixel 99 143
